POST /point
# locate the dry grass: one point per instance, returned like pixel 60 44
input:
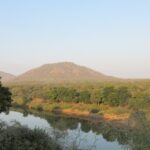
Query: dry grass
pixel 81 109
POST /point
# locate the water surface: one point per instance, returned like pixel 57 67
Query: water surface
pixel 82 134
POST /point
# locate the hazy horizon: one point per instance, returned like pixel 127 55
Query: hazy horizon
pixel 112 37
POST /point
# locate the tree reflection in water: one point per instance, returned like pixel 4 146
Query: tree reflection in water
pixel 132 136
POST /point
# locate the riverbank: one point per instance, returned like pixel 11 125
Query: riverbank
pixel 91 112
pixel 65 126
pixel 96 116
pixel 94 119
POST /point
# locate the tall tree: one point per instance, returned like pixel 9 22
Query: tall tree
pixel 5 98
pixel 109 96
pixel 85 96
pixel 123 95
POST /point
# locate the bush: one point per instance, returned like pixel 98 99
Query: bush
pixel 5 98
pixel 17 137
pixel 94 111
pixel 57 110
pixel 39 108
pixel 15 105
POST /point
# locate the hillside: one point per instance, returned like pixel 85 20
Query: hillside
pixel 62 72
pixel 5 77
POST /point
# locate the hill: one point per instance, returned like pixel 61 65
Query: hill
pixel 5 77
pixel 62 72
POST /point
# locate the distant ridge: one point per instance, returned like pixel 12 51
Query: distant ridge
pixel 6 77
pixel 62 72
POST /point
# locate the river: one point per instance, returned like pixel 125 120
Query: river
pixel 76 132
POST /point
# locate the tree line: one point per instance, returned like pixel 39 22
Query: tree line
pixel 135 95
pixel 110 95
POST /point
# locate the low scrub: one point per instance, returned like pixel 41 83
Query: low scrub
pixel 94 111
pixel 17 137
pixel 57 110
pixel 39 108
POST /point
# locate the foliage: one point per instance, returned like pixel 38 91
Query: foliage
pixel 115 96
pixel 5 98
pixel 131 94
pixel 62 94
pixel 57 110
pixel 84 96
pixel 17 137
pixel 39 108
pixel 94 111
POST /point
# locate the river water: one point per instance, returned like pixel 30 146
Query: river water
pixel 76 132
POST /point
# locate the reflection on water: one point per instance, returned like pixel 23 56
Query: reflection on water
pixel 85 135
pixel 31 121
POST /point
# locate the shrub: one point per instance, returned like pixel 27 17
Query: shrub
pixel 39 108
pixel 15 105
pixel 5 98
pixel 94 111
pixel 18 137
pixel 57 110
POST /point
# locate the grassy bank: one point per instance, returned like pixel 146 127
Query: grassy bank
pixel 112 101
pixel 82 110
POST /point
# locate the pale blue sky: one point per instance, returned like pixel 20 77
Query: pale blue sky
pixel 111 36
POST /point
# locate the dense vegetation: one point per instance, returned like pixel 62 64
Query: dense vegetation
pixel 17 137
pixel 5 98
pixel 135 95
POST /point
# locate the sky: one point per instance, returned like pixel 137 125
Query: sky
pixel 110 36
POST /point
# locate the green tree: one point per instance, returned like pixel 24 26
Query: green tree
pixel 63 94
pixel 5 98
pixel 96 96
pixel 109 96
pixel 123 95
pixel 53 94
pixel 116 96
pixel 85 96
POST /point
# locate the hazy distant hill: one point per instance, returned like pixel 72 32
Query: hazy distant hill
pixel 62 72
pixel 5 77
